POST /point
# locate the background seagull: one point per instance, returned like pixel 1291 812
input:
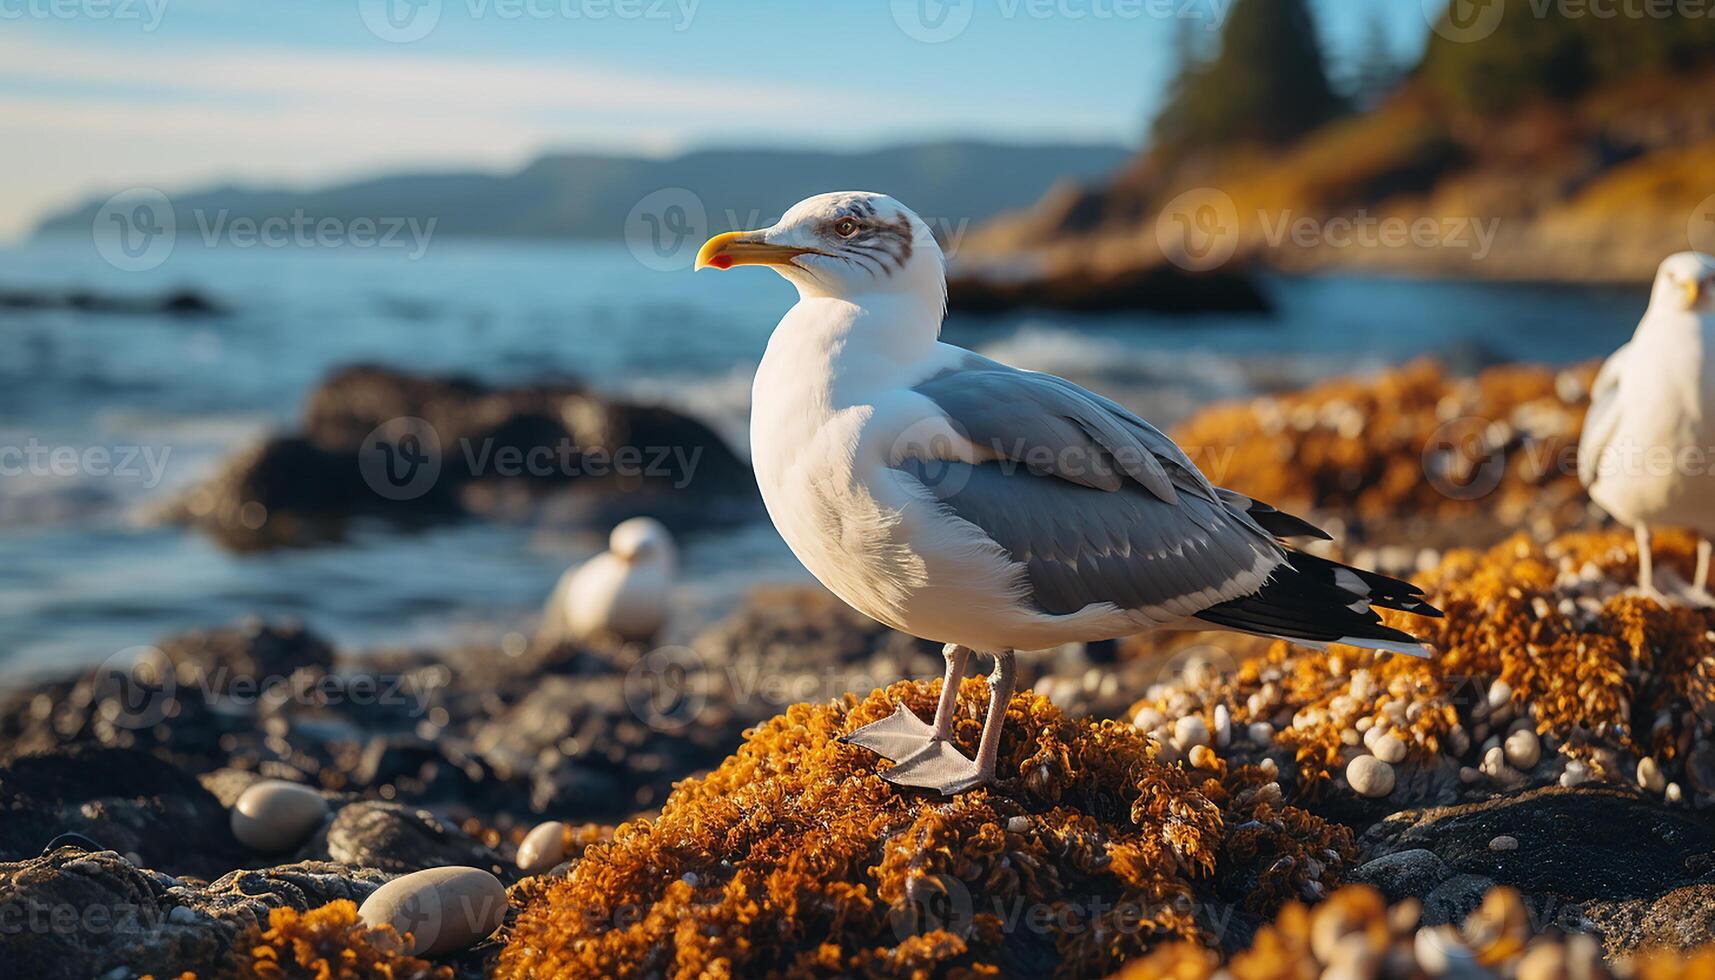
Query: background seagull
pixel 1648 449
pixel 621 592
pixel 988 508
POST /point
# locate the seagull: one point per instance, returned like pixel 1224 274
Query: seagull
pixel 989 508
pixel 1645 454
pixel 621 592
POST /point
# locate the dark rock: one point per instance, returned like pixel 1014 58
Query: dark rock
pixel 181 302
pixel 198 698
pixel 1156 289
pixel 247 660
pixel 74 914
pixel 417 448
pixel 127 800
pixel 602 748
pixel 1412 873
pixel 1682 919
pixel 1454 899
pixel 396 839
pixel 1588 857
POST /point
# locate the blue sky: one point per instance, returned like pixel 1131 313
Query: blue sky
pixel 102 95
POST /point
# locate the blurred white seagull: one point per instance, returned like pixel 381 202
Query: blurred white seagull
pixel 621 592
pixel 1648 449
pixel 989 508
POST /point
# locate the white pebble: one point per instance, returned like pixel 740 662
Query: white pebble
pixel 1495 763
pixel 1649 775
pixel 1017 825
pixel 1148 719
pixel 1369 776
pixel 1674 794
pixel 1261 734
pixel 543 847
pixel 1523 749
pixel 1577 773
pixel 1389 748
pixel 1190 730
pixel 444 909
pixel 275 815
pixel 1223 726
pixel 1504 843
pixel 1500 694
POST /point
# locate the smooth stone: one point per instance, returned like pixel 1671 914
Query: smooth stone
pixel 1223 726
pixel 1649 775
pixel 1369 776
pixel 1403 874
pixel 1500 694
pixel 1576 774
pixel 1523 749
pixel 274 816
pixel 1504 843
pixel 1261 734
pixel 444 909
pixel 542 848
pixel 1190 730
pixel 1390 748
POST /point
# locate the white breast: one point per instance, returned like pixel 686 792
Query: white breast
pixel 1659 464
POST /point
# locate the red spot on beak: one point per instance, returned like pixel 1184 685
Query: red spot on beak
pixel 721 261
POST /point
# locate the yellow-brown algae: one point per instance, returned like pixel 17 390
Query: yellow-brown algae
pixel 1355 933
pixel 795 857
pixel 329 943
pixel 1501 445
pixel 1546 667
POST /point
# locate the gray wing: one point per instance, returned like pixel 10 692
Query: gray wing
pixel 1603 419
pixel 1053 427
pixel 1081 545
pixel 1094 502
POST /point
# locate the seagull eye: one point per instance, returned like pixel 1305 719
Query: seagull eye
pixel 846 227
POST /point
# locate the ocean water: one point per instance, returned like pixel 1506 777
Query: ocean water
pixel 150 404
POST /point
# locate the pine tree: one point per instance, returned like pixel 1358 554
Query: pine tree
pixel 1268 84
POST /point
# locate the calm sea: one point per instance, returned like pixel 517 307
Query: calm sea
pixel 81 577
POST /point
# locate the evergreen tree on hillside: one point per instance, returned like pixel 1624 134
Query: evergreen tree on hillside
pixel 1268 84
pixel 1560 56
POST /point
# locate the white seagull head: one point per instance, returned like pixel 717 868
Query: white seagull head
pixel 641 540
pixel 1685 281
pixel 841 245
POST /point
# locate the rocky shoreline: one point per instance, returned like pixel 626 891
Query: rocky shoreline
pixel 231 801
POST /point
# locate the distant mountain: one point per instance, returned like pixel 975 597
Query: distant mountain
pixel 588 196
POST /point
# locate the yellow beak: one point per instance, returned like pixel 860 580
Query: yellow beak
pixel 1693 294
pixel 745 248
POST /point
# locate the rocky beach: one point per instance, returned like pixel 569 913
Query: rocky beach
pixel 247 800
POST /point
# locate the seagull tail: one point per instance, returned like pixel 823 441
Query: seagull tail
pixel 1316 602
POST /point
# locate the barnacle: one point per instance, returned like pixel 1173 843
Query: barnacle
pixel 329 943
pixel 795 857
